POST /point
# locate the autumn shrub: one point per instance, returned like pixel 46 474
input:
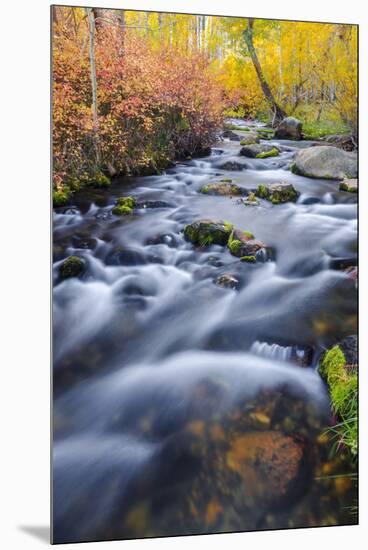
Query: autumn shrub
pixel 154 105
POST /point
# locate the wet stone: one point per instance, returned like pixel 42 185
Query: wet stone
pixel 208 232
pixel 222 188
pixel 228 280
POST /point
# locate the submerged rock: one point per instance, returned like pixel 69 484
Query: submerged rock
pixel 325 162
pixel 289 128
pixel 277 192
pixel 243 244
pixel 228 280
pixel 232 136
pixel 257 455
pixel 152 204
pixel 72 267
pixel 233 166
pixel 132 256
pixel 222 188
pixel 208 232
pixel 259 151
pixel 350 185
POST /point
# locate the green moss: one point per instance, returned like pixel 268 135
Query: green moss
pixel 205 189
pixel 343 388
pixel 346 187
pixel 249 259
pixel 130 202
pixel 228 227
pixel 265 154
pixel 248 141
pixel 235 247
pixel 71 267
pixel 248 234
pixel 122 210
pixel 262 192
pixel 61 197
pixel 226 180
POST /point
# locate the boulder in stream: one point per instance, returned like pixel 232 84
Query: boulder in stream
pixel 259 151
pixel 289 128
pixel 277 192
pixel 325 162
pixel 73 266
pixel 208 232
pixel 224 187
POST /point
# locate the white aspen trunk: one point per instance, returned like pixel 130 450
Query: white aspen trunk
pixel 91 28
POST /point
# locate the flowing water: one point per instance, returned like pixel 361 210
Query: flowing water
pixel 169 390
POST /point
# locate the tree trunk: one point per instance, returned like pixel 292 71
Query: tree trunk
pixel 279 113
pixel 91 29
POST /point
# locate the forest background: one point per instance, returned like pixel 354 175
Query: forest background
pixel 134 91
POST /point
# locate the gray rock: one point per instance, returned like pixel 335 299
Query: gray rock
pixel 228 280
pixel 289 128
pixel 250 138
pixel 232 136
pixel 233 166
pixel 349 347
pixel 325 162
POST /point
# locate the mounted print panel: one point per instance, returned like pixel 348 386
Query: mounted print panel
pixel 205 186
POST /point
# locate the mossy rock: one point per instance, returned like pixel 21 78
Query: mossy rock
pixel 349 185
pixel 124 206
pixel 208 232
pixel 222 188
pixel 60 197
pixel 243 244
pixel 278 193
pixel 73 266
pixel 121 210
pixel 251 199
pixel 97 180
pixel 259 150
